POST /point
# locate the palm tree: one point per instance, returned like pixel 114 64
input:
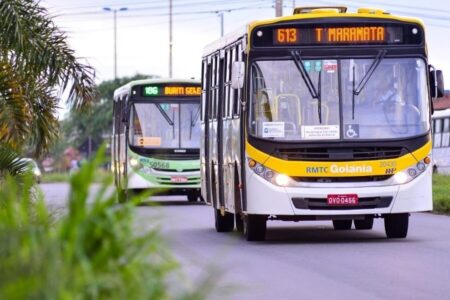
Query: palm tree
pixel 36 68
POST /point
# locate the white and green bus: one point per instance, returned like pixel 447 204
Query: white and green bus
pixel 156 137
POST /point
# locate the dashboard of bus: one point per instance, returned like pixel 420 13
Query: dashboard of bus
pixel 338 98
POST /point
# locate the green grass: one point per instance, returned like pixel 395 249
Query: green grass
pixel 441 193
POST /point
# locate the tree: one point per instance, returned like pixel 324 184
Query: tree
pixel 36 68
pixel 78 127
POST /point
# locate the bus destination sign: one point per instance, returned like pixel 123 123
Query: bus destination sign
pixel 332 35
pixel 337 34
pixel 166 91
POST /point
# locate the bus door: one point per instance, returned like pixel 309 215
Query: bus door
pixel 220 126
pixel 212 130
pixel 206 155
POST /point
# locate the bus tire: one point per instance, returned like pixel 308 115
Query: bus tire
pixel 396 225
pixel 342 224
pixel 224 223
pixel 255 227
pixel 365 224
pixel 192 197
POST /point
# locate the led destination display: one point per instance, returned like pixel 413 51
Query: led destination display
pixel 337 34
pixel 172 90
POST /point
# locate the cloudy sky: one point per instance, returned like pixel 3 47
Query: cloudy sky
pixel 143 29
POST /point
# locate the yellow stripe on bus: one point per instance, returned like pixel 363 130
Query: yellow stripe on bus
pixel 339 168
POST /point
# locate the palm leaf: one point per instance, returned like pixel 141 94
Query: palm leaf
pixel 11 163
pixel 39 49
pixel 14 116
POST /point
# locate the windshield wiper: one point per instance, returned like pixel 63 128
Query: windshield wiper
pixel 356 91
pixel 193 119
pixel 161 110
pixel 315 93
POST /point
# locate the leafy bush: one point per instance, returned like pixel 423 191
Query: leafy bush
pixel 91 251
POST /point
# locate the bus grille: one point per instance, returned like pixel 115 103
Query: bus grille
pixel 174 170
pixel 340 154
pixel 342 179
pixel 321 203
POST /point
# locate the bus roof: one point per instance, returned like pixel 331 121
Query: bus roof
pixel 318 13
pixel 127 87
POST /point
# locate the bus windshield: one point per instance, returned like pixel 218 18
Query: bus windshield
pixel 375 98
pixel 168 125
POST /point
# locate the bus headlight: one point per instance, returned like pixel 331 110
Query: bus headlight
pixel 269 174
pixel 412 172
pixel 134 163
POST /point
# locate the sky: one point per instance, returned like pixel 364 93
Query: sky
pixel 143 30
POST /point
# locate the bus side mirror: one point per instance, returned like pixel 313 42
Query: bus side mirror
pixel 237 74
pixel 436 83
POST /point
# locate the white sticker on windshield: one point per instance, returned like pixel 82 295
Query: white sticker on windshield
pixel 330 66
pixel 273 129
pixel 320 132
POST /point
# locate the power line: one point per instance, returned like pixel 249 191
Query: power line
pixel 160 7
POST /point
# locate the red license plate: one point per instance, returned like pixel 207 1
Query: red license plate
pixel 342 199
pixel 178 179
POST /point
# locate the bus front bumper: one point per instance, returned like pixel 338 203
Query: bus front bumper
pixel 266 198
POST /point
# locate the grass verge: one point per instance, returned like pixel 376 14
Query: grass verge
pixel 441 193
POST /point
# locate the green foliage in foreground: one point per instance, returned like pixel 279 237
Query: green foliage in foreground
pixel 441 193
pixel 89 251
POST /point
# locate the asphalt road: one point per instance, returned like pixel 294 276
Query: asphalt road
pixel 305 260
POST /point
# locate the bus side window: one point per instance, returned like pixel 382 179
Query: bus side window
pixel 211 88
pixel 237 55
pixel 228 107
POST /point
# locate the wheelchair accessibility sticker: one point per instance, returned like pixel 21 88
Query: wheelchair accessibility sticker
pixel 351 131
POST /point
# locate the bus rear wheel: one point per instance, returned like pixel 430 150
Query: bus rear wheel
pixel 396 225
pixel 255 227
pixel 224 223
pixel 342 224
pixel 364 224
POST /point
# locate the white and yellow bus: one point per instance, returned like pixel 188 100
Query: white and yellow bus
pixel 322 115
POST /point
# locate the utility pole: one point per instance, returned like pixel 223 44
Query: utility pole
pixel 115 34
pixel 221 23
pixel 293 4
pixel 278 8
pixel 170 39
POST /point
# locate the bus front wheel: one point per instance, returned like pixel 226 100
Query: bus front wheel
pixel 224 223
pixel 255 227
pixel 396 225
pixel 192 197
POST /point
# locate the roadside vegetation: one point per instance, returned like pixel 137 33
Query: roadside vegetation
pixel 91 251
pixel 441 193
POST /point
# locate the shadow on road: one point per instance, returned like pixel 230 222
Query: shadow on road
pixel 325 235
